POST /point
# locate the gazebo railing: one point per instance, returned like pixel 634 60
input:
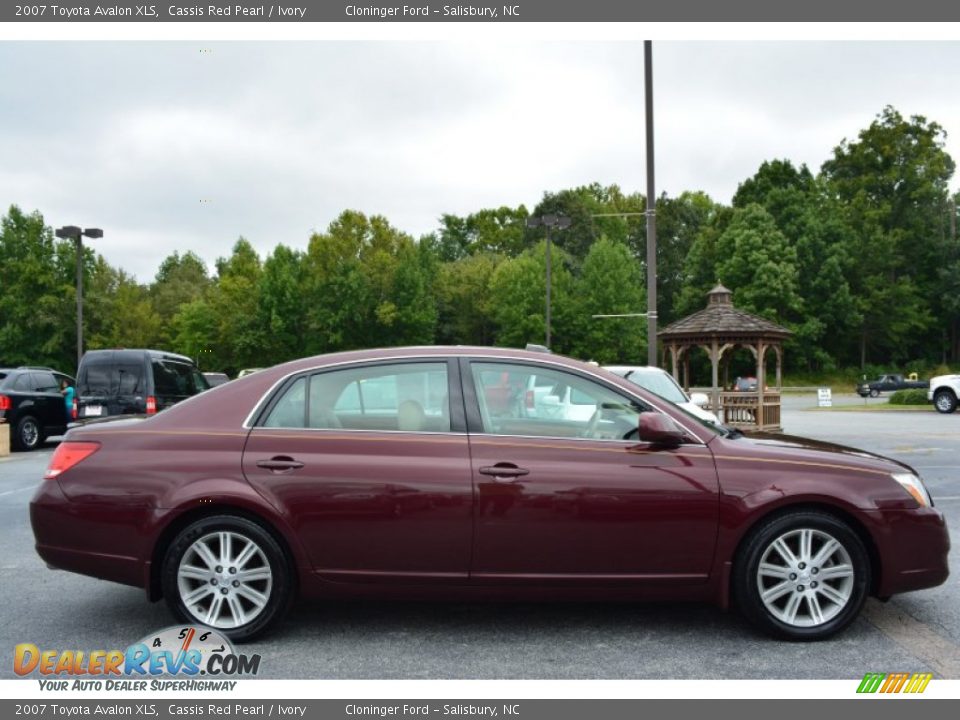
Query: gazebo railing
pixel 743 410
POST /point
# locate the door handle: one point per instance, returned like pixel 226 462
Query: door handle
pixel 280 464
pixel 504 472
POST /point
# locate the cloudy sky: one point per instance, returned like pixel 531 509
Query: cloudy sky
pixel 184 146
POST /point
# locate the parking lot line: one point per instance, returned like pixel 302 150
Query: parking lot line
pixel 916 637
pixel 16 490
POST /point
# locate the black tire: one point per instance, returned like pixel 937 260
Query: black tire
pixel 281 590
pixel 945 401
pixel 28 434
pixel 874 393
pixel 746 582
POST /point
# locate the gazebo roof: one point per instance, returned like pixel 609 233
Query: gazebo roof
pixel 720 319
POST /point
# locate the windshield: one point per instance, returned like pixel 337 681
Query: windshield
pixel 658 383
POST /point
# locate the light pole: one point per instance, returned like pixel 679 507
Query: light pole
pixel 72 232
pixel 560 222
pixel 651 210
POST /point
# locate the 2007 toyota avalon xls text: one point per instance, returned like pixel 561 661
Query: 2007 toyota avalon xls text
pixel 455 472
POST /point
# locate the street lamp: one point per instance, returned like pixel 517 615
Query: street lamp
pixel 560 222
pixel 72 232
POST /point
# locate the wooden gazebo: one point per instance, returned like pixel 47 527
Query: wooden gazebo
pixel 718 328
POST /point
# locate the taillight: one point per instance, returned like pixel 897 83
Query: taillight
pixel 529 399
pixel 73 410
pixel 4 402
pixel 151 405
pixel 68 454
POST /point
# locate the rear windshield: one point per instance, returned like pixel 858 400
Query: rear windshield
pixel 110 379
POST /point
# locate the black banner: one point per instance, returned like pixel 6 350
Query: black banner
pixel 477 709
pixel 509 11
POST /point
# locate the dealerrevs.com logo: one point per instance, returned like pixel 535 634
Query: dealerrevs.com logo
pixel 202 658
pixel 894 682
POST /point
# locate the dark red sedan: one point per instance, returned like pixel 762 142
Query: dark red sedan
pixel 391 473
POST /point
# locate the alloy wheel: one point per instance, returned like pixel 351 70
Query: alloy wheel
pixel 29 433
pixel 224 579
pixel 805 577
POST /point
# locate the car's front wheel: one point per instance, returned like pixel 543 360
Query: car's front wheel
pixel 802 576
pixel 874 392
pixel 28 434
pixel 228 573
pixel 945 401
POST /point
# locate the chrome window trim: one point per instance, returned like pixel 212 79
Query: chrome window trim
pixel 470 356
pixel 340 431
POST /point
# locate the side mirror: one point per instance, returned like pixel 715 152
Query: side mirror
pixel 699 399
pixel 658 429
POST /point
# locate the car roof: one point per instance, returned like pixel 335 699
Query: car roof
pixel 128 352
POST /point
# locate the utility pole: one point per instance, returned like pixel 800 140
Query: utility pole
pixel 651 212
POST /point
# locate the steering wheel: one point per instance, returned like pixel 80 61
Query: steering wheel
pixel 594 423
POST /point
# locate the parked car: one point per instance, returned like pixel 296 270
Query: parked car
pixel 745 384
pixel 248 371
pixel 31 403
pixel 890 383
pixel 134 382
pixel 658 381
pixel 283 483
pixel 944 391
pixel 216 378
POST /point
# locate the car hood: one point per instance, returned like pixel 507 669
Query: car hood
pixel 800 449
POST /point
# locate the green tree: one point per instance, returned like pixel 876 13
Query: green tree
pixel 196 333
pixel 892 183
pixel 680 221
pixel 610 282
pixel 465 301
pixel 282 311
pixel 758 264
pixel 179 280
pixel 501 230
pixel 518 300
pixel 34 328
pixel 235 300
pixel 367 284
pixel 813 225
pixel 594 210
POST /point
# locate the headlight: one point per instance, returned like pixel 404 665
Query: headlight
pixel 913 485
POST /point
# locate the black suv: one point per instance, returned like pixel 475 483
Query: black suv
pixel 30 401
pixel 134 382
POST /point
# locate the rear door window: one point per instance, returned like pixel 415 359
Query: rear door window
pixel 23 383
pixel 175 378
pixel 45 382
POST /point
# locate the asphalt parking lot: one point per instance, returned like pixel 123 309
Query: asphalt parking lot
pixel 916 632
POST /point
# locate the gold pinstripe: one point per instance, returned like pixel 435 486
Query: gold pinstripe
pixel 413 437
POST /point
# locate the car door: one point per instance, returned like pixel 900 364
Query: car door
pixel 573 500
pixel 54 409
pixel 370 464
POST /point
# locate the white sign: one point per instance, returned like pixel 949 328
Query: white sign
pixel 824 397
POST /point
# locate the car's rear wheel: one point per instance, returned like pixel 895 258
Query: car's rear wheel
pixel 945 401
pixel 802 576
pixel 228 573
pixel 28 434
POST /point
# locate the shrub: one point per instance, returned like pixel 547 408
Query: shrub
pixel 909 397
